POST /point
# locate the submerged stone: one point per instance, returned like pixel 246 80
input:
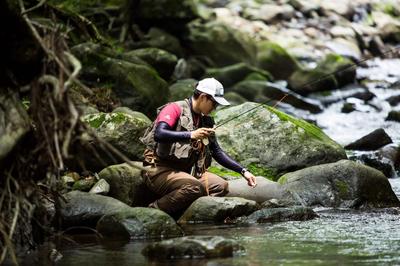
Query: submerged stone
pixel 140 223
pixel 194 247
pixel 296 213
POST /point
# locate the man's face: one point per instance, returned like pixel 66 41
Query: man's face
pixel 208 104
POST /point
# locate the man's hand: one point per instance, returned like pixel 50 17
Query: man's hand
pixel 251 179
pixel 201 133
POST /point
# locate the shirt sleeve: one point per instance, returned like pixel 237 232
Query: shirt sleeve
pixel 169 114
pixel 222 158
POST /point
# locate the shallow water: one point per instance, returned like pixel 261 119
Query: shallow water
pixel 337 237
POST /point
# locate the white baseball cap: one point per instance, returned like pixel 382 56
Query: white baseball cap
pixel 214 88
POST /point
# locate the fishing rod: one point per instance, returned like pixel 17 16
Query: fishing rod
pixel 397 47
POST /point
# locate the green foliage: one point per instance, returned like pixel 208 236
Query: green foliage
pixel 96 120
pixel 258 170
pixel 223 172
pixel 342 187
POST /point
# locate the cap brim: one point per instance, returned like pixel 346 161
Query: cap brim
pixel 221 101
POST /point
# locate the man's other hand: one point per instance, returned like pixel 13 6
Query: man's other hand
pixel 251 179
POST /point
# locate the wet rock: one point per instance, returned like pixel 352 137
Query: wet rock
pixel 372 141
pixel 271 143
pixel 276 60
pixel 267 215
pixel 232 74
pixel 265 190
pixel 127 185
pixel 382 164
pixel 85 209
pixel 193 247
pixel 234 98
pixel 303 81
pixel 341 184
pixel 349 91
pixel 121 130
pixel 14 122
pixel 393 100
pixel 223 44
pixel 217 209
pixel 262 91
pixel 101 187
pixel 138 223
pixel 393 116
pixel 348 108
pixel 182 89
pixel 128 111
pixel 392 153
pixel 162 61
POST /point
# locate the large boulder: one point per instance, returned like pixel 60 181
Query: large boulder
pixel 271 143
pixel 217 209
pixel 142 223
pixel 121 130
pixel 182 89
pixel 133 81
pixel 193 247
pixel 127 185
pixel 276 60
pixel 341 184
pixel 221 43
pixel 85 209
pixel 161 60
pixel 14 122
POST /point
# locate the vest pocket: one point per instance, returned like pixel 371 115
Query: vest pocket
pixel 182 150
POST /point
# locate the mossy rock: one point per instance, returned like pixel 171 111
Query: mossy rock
pixel 162 61
pixel 132 80
pixel 276 60
pixel 331 73
pixel 221 43
pixel 273 142
pixel 120 130
pixel 232 74
pixel 182 89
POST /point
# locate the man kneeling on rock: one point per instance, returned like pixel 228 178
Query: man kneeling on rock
pixel 180 144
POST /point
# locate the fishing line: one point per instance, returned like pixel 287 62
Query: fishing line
pixel 311 83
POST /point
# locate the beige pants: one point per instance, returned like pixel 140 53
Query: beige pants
pixel 179 189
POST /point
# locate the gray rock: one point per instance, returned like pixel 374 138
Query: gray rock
pixel 266 215
pixel 138 223
pixel 127 185
pixel 217 209
pixel 85 209
pixel 194 247
pixel 341 184
pixel 101 187
pixel 372 141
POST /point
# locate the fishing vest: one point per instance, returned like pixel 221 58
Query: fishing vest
pixel 182 152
